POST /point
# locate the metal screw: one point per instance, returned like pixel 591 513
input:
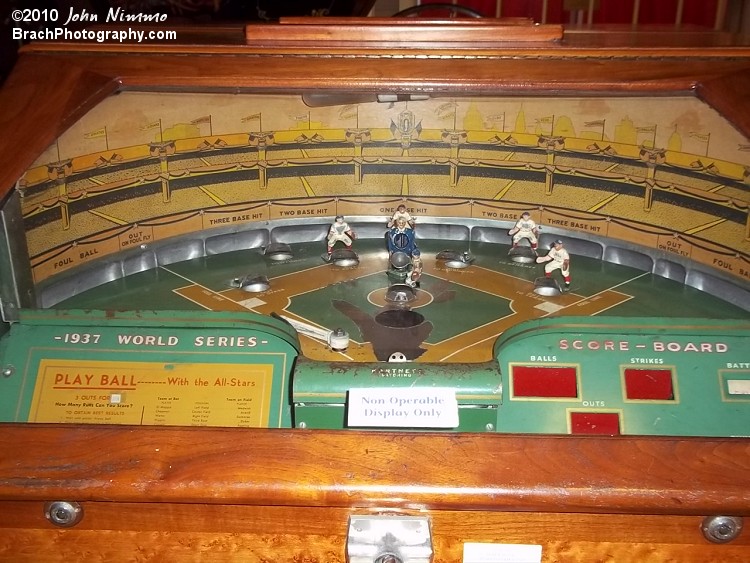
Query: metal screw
pixel 721 529
pixel 62 513
pixel 489 427
pixel 302 425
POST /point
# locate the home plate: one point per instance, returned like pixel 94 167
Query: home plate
pixel 251 303
pixel 549 307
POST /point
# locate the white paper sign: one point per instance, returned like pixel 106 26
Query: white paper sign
pixel 411 407
pixel 738 386
pixel 501 553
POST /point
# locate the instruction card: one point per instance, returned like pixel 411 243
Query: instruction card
pixel 501 553
pixel 413 407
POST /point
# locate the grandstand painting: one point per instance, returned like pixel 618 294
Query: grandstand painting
pixel 667 173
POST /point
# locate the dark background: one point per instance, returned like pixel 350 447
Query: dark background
pixel 179 11
pixel 700 14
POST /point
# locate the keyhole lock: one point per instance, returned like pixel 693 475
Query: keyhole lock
pixel 389 539
pixel 62 513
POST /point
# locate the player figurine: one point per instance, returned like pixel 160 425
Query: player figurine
pixel 557 259
pixel 339 231
pixel 404 257
pixel 412 279
pixel 525 228
pixel 401 237
pixel 398 215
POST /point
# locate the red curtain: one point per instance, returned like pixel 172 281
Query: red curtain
pixel 664 12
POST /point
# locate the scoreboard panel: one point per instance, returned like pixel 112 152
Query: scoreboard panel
pixel 638 376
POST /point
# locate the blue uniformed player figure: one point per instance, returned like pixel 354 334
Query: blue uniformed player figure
pixel 401 238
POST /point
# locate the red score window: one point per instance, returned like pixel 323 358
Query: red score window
pixel 649 384
pixel 558 382
pixel 601 423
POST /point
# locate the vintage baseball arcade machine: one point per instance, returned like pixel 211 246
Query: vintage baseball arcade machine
pixel 198 419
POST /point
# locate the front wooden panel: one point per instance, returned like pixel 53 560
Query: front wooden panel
pixel 272 495
pixel 189 532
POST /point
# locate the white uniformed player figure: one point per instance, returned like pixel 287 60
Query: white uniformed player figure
pixel 416 269
pixel 557 259
pixel 340 231
pixel 401 213
pixel 525 228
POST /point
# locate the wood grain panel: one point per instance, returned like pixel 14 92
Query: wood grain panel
pixel 189 532
pixel 386 470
